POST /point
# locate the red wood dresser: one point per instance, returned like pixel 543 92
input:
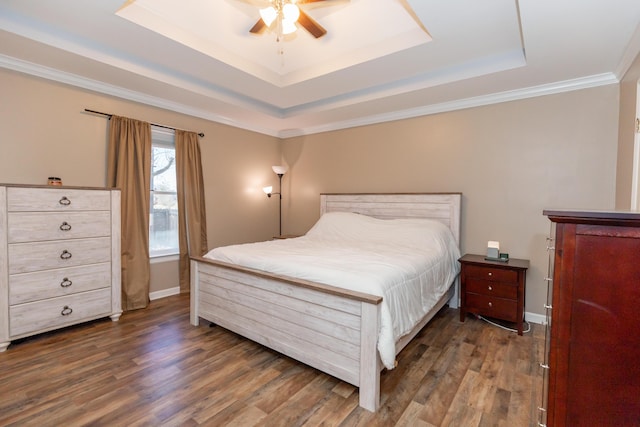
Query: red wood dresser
pixel 593 357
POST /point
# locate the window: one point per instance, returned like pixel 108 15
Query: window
pixel 163 216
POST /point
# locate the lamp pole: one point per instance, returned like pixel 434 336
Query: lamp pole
pixel 280 202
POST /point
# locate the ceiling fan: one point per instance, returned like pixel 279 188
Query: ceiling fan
pixel 281 16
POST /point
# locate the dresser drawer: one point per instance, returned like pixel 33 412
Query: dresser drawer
pixel 495 289
pixel 501 308
pixel 39 285
pixel 27 257
pixel 57 199
pixel 491 273
pixel 37 226
pixel 57 312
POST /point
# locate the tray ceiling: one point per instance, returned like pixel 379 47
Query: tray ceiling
pixel 380 60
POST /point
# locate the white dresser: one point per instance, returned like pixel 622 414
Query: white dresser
pixel 59 258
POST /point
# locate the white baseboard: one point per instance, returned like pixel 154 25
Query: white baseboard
pixel 535 318
pixel 164 293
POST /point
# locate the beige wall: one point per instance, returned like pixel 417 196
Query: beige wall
pixel 45 132
pixel 626 135
pixel 510 161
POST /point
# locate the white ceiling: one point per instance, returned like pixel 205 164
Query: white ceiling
pixel 380 60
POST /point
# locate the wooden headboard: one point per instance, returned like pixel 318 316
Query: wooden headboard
pixel 443 207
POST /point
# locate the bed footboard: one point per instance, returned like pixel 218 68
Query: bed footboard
pixel 328 328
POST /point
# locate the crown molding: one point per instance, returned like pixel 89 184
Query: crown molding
pixel 478 101
pixel 130 95
pixel 74 80
pixel 630 54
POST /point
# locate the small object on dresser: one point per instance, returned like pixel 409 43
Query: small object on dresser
pixel 54 180
pixel 493 250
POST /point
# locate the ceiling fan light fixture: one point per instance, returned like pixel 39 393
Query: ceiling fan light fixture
pixel 288 26
pixel 290 12
pixel 283 16
pixel 268 15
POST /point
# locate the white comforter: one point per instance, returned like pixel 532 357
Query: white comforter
pixel 410 263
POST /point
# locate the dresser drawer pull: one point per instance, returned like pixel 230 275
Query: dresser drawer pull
pixel 65 226
pixel 490 273
pixel 65 254
pixel 66 282
pixel 490 287
pixel 64 201
pixel 490 304
pixel 66 310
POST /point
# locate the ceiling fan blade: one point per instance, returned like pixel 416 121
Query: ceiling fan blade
pixel 310 25
pixel 320 3
pixel 257 3
pixel 259 27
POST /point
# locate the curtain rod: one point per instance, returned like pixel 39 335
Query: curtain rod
pixel 200 134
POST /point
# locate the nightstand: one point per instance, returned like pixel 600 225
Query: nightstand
pixel 493 288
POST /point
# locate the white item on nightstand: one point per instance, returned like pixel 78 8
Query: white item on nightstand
pixel 493 249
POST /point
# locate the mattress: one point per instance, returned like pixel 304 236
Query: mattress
pixel 410 263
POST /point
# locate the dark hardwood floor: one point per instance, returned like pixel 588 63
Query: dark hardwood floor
pixel 152 368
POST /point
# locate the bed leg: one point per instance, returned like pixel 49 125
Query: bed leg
pixel 454 301
pixel 369 360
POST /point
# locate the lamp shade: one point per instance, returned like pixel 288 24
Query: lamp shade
pixel 279 170
pixel 268 15
pixel 290 12
pixel 288 26
pixel 267 190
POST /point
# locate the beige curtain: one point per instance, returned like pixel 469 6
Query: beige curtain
pixel 129 169
pixel 192 223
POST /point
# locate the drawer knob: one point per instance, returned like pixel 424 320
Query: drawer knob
pixel 490 273
pixel 66 282
pixel 65 254
pixel 65 226
pixel 490 304
pixel 490 287
pixel 64 201
pixel 66 310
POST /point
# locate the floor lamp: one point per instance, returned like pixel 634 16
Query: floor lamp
pixel 280 171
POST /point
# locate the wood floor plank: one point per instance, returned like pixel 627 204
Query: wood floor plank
pixel 152 368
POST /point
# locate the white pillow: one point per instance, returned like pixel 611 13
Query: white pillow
pixel 414 232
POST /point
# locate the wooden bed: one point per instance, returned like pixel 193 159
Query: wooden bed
pixel 329 328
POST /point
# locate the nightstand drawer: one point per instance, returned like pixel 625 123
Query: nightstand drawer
pixel 501 308
pixel 494 289
pixel 491 273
